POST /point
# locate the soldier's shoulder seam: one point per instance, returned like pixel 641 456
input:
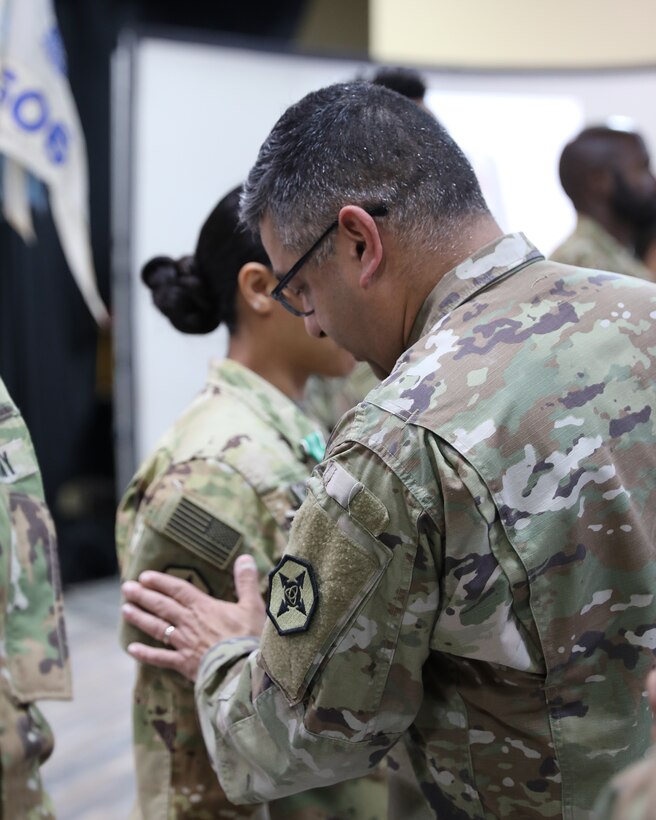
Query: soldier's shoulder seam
pixel 394 465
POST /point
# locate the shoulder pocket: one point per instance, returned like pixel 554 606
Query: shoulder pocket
pixel 345 561
pixel 187 521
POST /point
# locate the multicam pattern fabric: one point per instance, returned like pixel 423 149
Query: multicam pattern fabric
pixel 236 462
pixel 631 795
pixel 328 399
pixel 591 246
pixel 34 661
pixel 482 537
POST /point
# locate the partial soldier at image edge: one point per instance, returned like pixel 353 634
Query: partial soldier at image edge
pixel 34 658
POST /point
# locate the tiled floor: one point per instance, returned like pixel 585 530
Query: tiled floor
pixel 90 774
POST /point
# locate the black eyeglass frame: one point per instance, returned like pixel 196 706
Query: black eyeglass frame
pixel 277 292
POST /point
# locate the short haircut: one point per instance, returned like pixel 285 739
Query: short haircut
pixel 406 81
pixel 595 148
pixel 360 144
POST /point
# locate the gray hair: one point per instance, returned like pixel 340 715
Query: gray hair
pixel 360 144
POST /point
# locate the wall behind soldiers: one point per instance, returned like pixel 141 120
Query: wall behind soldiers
pixel 514 33
pixel 532 162
pixel 599 54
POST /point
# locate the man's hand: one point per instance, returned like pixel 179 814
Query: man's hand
pixel 187 620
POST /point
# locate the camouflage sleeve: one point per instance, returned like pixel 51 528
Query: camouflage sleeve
pixel 34 659
pixel 338 678
pixel 192 523
pixel 131 503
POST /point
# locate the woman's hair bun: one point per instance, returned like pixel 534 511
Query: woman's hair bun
pixel 199 292
pixel 181 294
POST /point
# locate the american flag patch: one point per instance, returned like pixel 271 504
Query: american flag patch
pixel 202 533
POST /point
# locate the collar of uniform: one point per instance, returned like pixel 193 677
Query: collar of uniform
pixel 265 400
pixel 620 258
pixel 492 262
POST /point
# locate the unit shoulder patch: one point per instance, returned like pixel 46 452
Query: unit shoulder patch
pixel 293 595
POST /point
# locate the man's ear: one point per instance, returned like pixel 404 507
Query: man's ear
pixel 254 281
pixel 361 230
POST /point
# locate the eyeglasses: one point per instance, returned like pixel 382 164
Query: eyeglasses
pixel 291 298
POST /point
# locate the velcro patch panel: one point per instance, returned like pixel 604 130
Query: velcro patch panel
pixel 355 498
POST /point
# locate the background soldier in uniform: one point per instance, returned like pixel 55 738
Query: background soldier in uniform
pixel 226 479
pixel 607 175
pixel 34 656
pixel 475 556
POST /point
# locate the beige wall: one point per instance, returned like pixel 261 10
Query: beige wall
pixel 513 33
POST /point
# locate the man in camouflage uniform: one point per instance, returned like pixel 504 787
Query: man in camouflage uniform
pixel 226 479
pixel 606 174
pixel 472 574
pixel 34 654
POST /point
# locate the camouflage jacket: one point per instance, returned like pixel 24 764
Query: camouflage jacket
pixel 474 561
pixel 226 479
pixel 591 246
pixel 34 661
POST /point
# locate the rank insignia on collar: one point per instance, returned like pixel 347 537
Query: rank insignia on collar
pixel 293 595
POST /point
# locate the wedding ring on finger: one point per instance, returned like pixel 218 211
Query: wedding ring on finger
pixel 166 637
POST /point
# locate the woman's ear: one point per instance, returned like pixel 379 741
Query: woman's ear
pixel 255 284
pixel 360 228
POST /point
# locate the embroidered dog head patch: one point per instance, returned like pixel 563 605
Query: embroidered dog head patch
pixel 293 595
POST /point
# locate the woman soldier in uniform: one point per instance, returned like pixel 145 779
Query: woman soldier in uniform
pixel 225 480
